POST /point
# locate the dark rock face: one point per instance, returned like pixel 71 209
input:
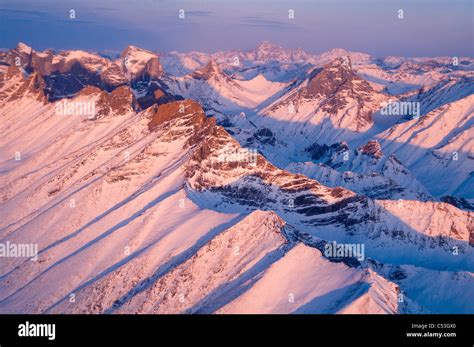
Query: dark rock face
pixel 323 153
pixel 77 76
pixel 155 94
pixel 226 123
pixel 460 203
pixel 397 274
pixel 317 151
pixel 262 136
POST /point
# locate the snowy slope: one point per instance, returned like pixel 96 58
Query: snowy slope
pixel 306 283
pixel 214 89
pixel 439 142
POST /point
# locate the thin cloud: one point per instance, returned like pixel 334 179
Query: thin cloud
pixel 28 13
pixel 198 13
pixel 258 21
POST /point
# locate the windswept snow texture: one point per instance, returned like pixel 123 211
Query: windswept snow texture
pixel 228 182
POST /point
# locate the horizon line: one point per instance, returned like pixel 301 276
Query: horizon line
pixel 240 50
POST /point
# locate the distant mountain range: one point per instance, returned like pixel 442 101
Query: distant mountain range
pixel 236 182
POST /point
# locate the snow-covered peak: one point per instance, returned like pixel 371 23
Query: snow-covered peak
pixel 393 62
pixel 92 62
pixel 23 48
pixel 336 77
pixel 134 52
pixel 356 57
pixel 333 94
pixel 135 60
pixel 180 64
pixel 266 45
pixel 268 51
pixel 439 142
pixel 267 218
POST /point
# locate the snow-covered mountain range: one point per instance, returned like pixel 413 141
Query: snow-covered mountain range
pixel 266 181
